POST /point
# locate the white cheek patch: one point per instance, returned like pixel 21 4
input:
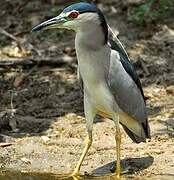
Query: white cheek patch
pixel 89 17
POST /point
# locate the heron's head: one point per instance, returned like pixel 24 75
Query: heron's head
pixel 78 17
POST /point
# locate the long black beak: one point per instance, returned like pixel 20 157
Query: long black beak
pixel 55 22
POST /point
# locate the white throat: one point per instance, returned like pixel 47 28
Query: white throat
pixel 89 33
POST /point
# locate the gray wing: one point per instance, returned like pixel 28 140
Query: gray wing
pixel 128 66
pixel 126 88
pixel 115 44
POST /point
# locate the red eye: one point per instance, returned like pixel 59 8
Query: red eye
pixel 73 15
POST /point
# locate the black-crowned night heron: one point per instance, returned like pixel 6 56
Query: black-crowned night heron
pixel 111 85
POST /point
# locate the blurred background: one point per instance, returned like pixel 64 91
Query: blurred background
pixel 41 106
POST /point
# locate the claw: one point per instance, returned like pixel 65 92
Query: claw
pixel 87 146
pixel 75 175
pixel 116 176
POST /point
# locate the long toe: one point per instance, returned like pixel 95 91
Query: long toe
pixel 75 173
pixel 116 176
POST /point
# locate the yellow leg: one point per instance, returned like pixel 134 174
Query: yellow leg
pixel 118 144
pixel 88 143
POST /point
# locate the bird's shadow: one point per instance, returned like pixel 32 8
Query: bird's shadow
pixel 128 165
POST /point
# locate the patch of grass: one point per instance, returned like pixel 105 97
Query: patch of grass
pixel 153 11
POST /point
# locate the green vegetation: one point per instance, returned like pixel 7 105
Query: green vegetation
pixel 153 11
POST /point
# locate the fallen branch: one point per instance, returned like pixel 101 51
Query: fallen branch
pixel 19 79
pixel 18 41
pixel 30 61
pixel 4 32
pixel 11 36
pixel 6 144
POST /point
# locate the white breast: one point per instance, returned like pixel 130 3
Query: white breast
pixel 93 67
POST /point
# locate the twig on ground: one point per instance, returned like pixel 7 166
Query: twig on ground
pixel 30 61
pixel 4 32
pixel 6 144
pixel 38 52
pixel 18 41
pixel 19 79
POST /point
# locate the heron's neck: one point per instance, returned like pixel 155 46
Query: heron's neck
pixel 90 38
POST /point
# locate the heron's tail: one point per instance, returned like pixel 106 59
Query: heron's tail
pixel 134 137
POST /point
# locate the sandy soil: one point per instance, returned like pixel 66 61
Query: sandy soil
pixel 47 129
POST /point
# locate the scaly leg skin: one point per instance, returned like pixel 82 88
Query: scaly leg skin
pixel 90 113
pixel 88 143
pixel 118 144
pixel 76 177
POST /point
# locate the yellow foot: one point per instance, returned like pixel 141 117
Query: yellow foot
pixel 75 174
pixel 116 176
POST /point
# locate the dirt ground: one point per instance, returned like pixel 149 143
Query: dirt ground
pixel 42 124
